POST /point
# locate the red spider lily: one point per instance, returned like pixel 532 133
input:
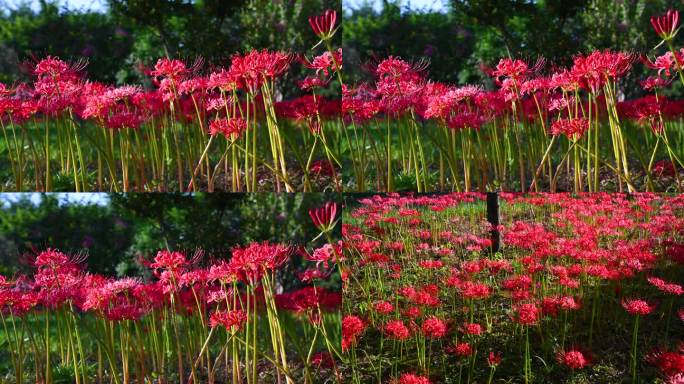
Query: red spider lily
pixel 552 271
pixel 323 25
pixel 413 312
pixel 230 128
pixel 665 63
pixel 472 329
pixel 312 274
pixel 170 68
pixel 169 260
pixel 637 307
pixel 232 321
pixel 395 329
pixel 669 363
pixel 526 314
pixel 253 68
pixel 54 69
pixel 594 68
pixel 474 290
pixel 323 168
pixel 652 83
pixel 664 286
pixel 172 264
pixel 507 67
pixel 573 128
pixel 434 328
pixel 252 261
pixel 383 307
pixel 245 94
pixel 410 378
pixel 322 360
pixel 310 83
pixel 573 359
pixel 324 255
pixel 462 349
pixel 396 69
pixel 55 260
pixel 494 359
pixel 309 298
pixel 431 264
pixel 188 300
pixel 324 217
pixel 665 25
pixel 352 328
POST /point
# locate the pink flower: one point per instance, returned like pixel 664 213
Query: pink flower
pixel 664 286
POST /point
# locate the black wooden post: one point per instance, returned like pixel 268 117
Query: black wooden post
pixel 493 218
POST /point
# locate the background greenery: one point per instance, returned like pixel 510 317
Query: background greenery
pixel 130 34
pixel 117 231
pixel 476 33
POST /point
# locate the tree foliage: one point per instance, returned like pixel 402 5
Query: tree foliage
pixel 27 35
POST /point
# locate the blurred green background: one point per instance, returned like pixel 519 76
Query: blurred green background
pixel 117 231
pixel 459 37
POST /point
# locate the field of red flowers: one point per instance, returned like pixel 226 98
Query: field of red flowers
pixel 584 289
pixel 188 321
pixel 224 129
pixel 542 128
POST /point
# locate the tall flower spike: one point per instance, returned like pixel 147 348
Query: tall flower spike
pixel 666 25
pixel 324 25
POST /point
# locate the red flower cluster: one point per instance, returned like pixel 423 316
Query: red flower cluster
pixel 352 328
pixel 183 307
pixel 572 128
pixel 230 128
pixel 421 266
pixel 573 359
pixel 60 279
pixel 231 320
pixel 637 307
